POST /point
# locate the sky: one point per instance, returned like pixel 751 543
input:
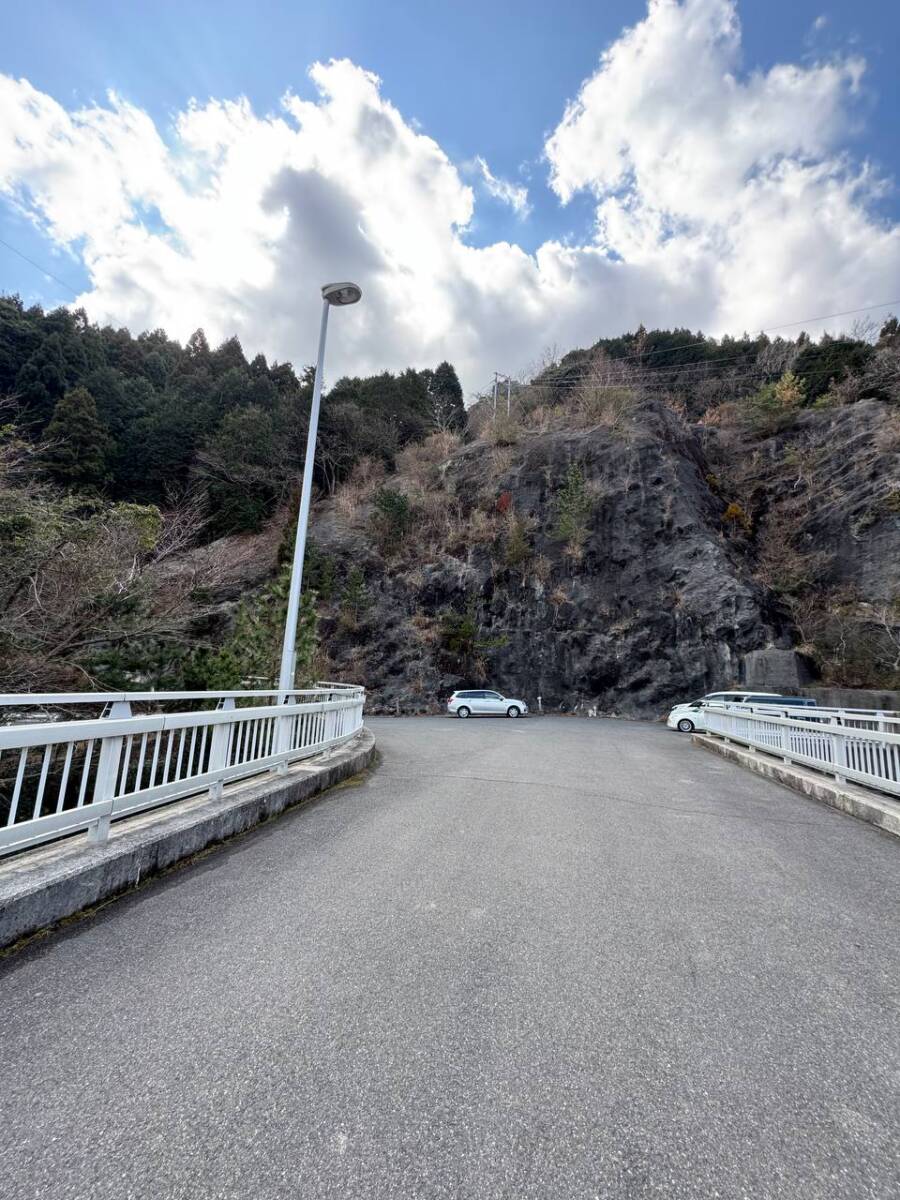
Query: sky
pixel 499 179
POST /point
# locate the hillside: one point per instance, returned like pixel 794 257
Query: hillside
pixel 650 512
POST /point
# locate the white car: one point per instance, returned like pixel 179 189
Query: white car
pixel 483 703
pixel 688 717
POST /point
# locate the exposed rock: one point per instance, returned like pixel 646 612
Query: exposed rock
pixel 658 603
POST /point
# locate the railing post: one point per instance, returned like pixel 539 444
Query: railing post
pixel 838 753
pixel 786 743
pixel 108 765
pixel 218 748
pixel 283 738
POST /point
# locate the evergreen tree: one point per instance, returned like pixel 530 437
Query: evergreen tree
pixel 251 655
pixel 77 445
pixel 42 381
pixel 448 408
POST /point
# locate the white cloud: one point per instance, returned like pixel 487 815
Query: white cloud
pixel 698 171
pixel 723 201
pixel 513 194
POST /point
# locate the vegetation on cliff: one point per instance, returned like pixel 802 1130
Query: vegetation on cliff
pixel 578 527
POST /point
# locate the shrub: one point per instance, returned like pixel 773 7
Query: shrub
pixel 319 572
pixel 573 506
pixel 420 460
pixel 517 548
pixel 775 405
pixel 502 431
pixel 392 519
pixel 355 599
pixel 734 515
pixel 460 636
pixel 252 651
pixel 602 404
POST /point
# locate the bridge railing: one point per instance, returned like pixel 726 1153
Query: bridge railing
pixel 60 777
pixel 848 744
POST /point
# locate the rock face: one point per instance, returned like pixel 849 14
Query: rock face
pixel 699 557
pixel 657 602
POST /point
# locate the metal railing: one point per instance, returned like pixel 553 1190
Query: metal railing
pixel 848 744
pixel 59 777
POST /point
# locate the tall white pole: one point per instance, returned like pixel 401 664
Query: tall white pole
pixel 508 390
pixel 495 393
pixel 288 650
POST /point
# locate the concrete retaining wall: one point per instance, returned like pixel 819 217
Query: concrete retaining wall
pixel 43 886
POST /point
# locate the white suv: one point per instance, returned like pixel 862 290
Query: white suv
pixel 483 703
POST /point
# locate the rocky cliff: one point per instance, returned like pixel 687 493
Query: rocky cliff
pixel 614 568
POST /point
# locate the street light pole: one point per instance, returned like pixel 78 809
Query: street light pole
pixel 337 294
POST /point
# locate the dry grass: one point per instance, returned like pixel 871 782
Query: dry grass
pixel 364 480
pixel 599 403
pixel 542 568
pixel 502 458
pixel 421 463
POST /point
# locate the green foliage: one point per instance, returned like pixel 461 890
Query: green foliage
pixel 242 468
pixel 458 632
pixel 355 599
pixel 168 414
pixel 77 445
pixel 445 393
pixel 251 654
pixel 516 547
pixel 822 363
pixel 573 508
pixel 319 571
pixel 775 405
pixel 392 519
pixel 460 636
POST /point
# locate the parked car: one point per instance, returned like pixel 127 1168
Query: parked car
pixel 483 703
pixel 688 717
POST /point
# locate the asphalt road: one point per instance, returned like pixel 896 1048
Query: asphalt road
pixel 549 959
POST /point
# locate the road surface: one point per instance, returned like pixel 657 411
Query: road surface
pixel 548 959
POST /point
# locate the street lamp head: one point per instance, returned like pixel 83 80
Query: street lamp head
pixel 341 293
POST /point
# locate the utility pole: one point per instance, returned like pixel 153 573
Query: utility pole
pixel 498 376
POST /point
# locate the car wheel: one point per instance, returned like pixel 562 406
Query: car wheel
pixel 512 711
pixel 685 726
pixel 462 712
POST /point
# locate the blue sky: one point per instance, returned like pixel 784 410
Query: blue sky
pixel 481 79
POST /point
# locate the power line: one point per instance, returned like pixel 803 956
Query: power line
pixel 769 329
pixel 38 267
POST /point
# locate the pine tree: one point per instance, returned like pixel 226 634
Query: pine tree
pixel 77 446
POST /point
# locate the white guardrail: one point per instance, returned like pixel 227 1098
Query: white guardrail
pixel 861 745
pixel 59 777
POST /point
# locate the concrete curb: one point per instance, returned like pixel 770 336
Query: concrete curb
pixel 856 801
pixel 41 887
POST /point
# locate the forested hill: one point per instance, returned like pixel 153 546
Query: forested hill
pixel 648 512
pixel 146 420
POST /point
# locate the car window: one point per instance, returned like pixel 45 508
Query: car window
pixel 492 696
